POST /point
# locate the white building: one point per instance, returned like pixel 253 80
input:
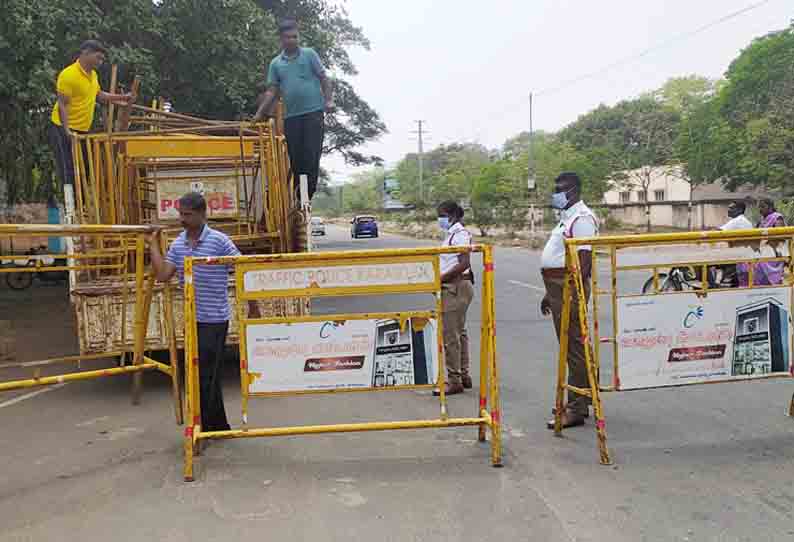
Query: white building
pixel 666 202
pixel 665 184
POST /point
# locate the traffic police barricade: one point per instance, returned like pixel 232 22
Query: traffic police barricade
pixel 109 262
pixel 352 352
pixel 677 318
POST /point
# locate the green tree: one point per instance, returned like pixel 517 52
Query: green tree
pixel 685 94
pixel 552 156
pixel 757 103
pixel 498 195
pixel 447 171
pixel 745 132
pixel 207 58
pixel 632 138
pixel 37 39
pixel 363 193
pixel 706 146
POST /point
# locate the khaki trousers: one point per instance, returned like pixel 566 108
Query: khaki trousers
pixel 577 368
pixel 455 300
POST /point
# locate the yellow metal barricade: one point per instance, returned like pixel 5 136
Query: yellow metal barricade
pixel 359 357
pixel 95 255
pixel 687 324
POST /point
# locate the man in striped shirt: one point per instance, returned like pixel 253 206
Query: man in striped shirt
pixel 211 284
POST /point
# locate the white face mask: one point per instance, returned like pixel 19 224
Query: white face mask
pixel 559 200
pixel 443 223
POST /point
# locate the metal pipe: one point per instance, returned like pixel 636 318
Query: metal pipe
pixel 64 359
pixel 342 317
pixel 71 377
pixel 668 238
pixel 358 257
pixel 44 230
pixel 490 298
pixel 339 428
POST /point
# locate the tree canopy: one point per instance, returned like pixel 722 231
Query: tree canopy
pixel 206 57
pixel 745 132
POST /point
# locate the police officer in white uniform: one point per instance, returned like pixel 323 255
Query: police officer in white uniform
pixel 457 292
pixel 576 220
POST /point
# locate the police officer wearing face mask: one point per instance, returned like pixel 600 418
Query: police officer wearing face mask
pixel 457 291
pixel 576 220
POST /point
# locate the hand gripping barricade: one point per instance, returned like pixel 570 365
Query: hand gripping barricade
pixel 97 259
pixel 686 308
pixel 294 356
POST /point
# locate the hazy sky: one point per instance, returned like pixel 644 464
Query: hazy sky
pixel 466 67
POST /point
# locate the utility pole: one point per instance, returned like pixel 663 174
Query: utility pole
pixel 531 172
pixel 420 133
pixel 382 190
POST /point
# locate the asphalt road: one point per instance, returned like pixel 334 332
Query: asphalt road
pixel 698 463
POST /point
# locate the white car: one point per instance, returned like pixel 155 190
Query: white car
pixel 318 226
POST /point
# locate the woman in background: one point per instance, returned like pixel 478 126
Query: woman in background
pixel 769 273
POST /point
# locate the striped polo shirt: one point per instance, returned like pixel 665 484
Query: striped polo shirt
pixel 211 282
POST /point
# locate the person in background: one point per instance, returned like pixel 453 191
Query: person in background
pixel 211 283
pixel 78 90
pixel 737 221
pixel 299 76
pixel 576 220
pixel 457 291
pixel 770 273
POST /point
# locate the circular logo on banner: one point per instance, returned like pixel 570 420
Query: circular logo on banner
pixel 693 316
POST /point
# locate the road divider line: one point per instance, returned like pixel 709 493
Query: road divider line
pixel 527 285
pixel 31 395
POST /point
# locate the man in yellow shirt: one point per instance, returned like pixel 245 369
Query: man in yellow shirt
pixel 78 90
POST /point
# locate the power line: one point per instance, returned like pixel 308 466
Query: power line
pixel 661 45
pixel 673 40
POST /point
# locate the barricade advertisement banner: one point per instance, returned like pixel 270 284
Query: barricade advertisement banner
pixel 684 338
pixel 341 355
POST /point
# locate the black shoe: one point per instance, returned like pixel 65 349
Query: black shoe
pixel 451 389
pixel 585 414
pixel 569 419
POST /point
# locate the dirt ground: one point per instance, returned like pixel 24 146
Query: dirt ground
pixel 40 321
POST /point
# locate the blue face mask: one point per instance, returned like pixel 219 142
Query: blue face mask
pixel 559 200
pixel 443 222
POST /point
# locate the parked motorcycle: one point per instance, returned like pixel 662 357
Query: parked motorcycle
pixel 679 279
pixel 33 258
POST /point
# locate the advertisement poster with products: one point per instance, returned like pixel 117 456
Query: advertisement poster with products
pixel 340 355
pixel 670 340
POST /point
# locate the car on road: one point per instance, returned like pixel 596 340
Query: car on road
pixel 364 226
pixel 318 226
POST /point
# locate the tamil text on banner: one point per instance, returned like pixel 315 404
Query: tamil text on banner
pixel 219 192
pixel 341 355
pixel 683 338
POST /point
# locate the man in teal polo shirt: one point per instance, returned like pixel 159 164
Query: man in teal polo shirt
pixel 298 75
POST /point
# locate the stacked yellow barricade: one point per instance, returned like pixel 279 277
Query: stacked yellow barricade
pixel 96 253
